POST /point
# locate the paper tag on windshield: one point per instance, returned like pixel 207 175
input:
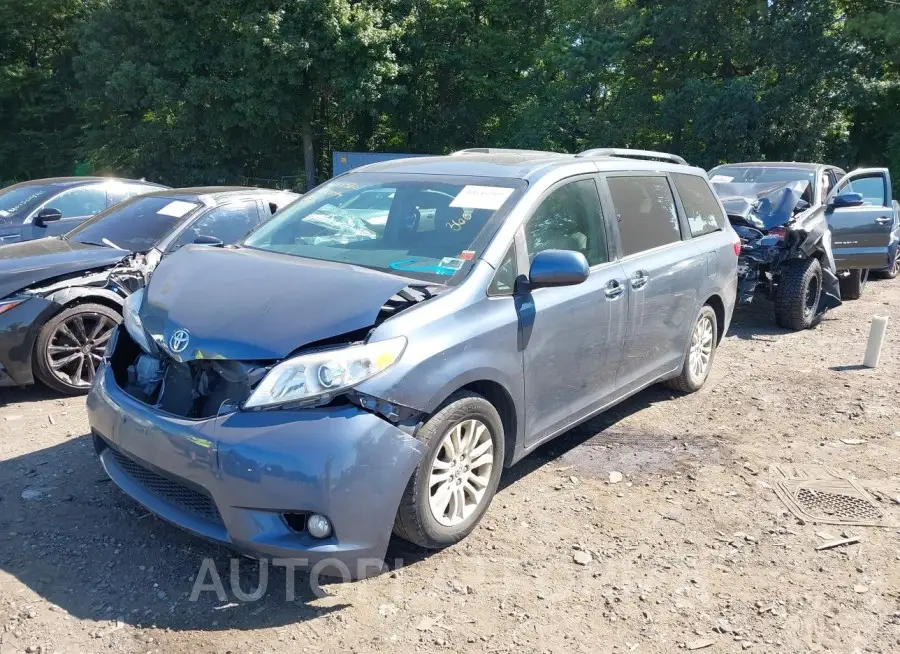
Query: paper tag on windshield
pixel 452 263
pixel 176 209
pixel 721 179
pixel 481 197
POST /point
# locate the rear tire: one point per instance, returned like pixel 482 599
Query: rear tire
pixel 894 270
pixel 69 347
pixel 447 470
pixel 852 285
pixel 798 293
pixel 701 350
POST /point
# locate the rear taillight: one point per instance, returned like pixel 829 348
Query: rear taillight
pixel 737 245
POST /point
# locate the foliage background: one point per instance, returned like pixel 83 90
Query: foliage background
pixel 223 91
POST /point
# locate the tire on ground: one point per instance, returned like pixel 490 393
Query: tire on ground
pixel 894 269
pixel 853 284
pixel 415 522
pixel 791 311
pixel 686 382
pixel 41 360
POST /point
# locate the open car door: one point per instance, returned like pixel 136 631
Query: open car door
pixel 861 216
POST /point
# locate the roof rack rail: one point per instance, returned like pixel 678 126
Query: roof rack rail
pixel 633 154
pixel 499 151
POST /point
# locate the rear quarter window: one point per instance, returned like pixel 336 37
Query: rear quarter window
pixel 645 210
pixel 704 215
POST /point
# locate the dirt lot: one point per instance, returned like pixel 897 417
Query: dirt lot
pixel 692 549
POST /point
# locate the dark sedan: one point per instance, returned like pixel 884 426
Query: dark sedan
pixel 50 207
pixel 61 297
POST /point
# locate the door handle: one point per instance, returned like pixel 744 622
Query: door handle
pixel 614 289
pixel 639 279
pixel 881 220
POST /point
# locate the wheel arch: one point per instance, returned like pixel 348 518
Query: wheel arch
pixel 69 297
pixel 500 397
pixel 717 305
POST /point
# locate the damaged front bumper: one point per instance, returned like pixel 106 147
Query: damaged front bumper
pixel 762 258
pixel 247 479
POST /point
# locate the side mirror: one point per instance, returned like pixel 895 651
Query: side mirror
pixel 558 268
pixel 846 200
pixel 47 215
pixel 205 239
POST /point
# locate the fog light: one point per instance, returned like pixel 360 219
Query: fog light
pixel 318 526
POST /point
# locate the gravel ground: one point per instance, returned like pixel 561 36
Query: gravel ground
pixel 649 529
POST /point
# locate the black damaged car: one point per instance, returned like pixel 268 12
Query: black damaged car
pixel 61 297
pixel 810 233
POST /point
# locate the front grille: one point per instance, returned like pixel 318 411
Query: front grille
pixel 187 499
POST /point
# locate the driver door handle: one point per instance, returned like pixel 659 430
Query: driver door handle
pixel 881 220
pixel 614 289
pixel 639 279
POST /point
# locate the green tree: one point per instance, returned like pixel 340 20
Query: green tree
pixel 39 129
pixel 192 92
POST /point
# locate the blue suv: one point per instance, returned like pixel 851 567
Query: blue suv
pixel 341 376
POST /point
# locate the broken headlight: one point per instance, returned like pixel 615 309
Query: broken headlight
pixel 327 373
pixel 132 320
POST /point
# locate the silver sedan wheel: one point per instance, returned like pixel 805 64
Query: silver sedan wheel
pixel 701 348
pixel 460 472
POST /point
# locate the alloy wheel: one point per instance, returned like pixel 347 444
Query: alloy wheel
pixel 460 472
pixel 76 348
pixel 701 348
pixel 895 267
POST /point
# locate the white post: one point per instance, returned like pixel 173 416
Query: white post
pixel 876 341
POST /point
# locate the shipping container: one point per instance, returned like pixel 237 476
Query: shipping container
pixel 344 161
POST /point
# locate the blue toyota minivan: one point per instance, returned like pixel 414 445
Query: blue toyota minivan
pixel 339 377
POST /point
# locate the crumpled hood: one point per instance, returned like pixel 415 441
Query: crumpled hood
pixel 31 262
pixel 764 205
pixel 250 305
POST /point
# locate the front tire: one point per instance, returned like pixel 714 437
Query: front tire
pixel 798 294
pixel 453 485
pixel 700 353
pixel 69 347
pixel 853 284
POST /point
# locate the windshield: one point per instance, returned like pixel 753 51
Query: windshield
pixel 136 225
pixel 428 227
pixel 760 175
pixel 21 199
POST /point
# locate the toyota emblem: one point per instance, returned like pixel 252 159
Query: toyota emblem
pixel 179 340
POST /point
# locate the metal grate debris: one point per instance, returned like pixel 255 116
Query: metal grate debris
pixel 824 495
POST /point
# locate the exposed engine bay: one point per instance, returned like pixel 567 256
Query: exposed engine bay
pixel 204 388
pixel 122 279
pixel 776 225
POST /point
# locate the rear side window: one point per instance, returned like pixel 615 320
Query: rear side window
pixel 645 210
pixel 704 215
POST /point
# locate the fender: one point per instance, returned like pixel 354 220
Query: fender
pixel 66 296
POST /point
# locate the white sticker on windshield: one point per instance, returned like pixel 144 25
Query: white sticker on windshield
pixel 721 179
pixel 482 197
pixel 177 209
